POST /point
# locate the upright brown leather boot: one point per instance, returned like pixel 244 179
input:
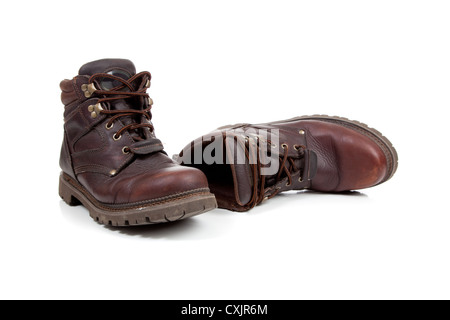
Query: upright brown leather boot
pixel 111 160
pixel 329 154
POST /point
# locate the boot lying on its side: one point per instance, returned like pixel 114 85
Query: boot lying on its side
pixel 329 154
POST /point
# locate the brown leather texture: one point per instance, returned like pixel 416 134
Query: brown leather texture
pixel 68 94
pixel 125 169
pixel 336 155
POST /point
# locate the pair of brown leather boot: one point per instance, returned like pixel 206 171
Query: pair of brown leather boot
pixel 114 165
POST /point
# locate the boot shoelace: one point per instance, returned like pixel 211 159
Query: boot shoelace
pixel 117 94
pixel 259 180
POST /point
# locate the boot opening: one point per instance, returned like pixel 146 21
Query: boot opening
pixel 228 172
pixel 220 179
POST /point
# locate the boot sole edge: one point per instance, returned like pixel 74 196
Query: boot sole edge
pixel 178 208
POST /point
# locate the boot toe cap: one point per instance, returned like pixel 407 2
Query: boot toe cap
pixel 361 163
pixel 347 159
pixel 166 183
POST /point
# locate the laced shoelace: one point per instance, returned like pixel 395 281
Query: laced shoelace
pixel 117 94
pixel 259 180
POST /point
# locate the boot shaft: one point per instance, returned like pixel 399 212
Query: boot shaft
pixel 104 131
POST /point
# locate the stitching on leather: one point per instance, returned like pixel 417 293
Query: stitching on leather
pixel 120 166
pixel 77 90
pixel 85 168
pixel 102 137
pixel 79 95
pixel 92 165
pixel 72 114
pixel 89 126
pixel 92 168
pixel 89 150
pixel 147 147
pixel 81 134
pixel 69 106
pixel 127 159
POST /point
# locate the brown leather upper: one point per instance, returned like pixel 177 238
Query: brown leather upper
pixel 348 159
pixel 117 169
pixel 335 156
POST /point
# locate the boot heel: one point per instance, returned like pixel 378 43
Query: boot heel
pixel 66 194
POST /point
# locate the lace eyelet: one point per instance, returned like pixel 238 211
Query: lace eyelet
pixel 95 110
pixel 284 146
pixel 297 147
pixel 88 89
pixel 115 137
pixel 300 179
pixel 125 150
pixel 302 132
pixel 288 184
pixel 109 127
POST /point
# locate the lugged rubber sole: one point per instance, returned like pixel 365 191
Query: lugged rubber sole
pixel 179 207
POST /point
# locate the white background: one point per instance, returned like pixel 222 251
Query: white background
pixel 386 63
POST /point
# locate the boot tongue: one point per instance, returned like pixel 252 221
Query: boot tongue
pixel 121 68
pixel 242 173
pixel 118 67
pixel 243 152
